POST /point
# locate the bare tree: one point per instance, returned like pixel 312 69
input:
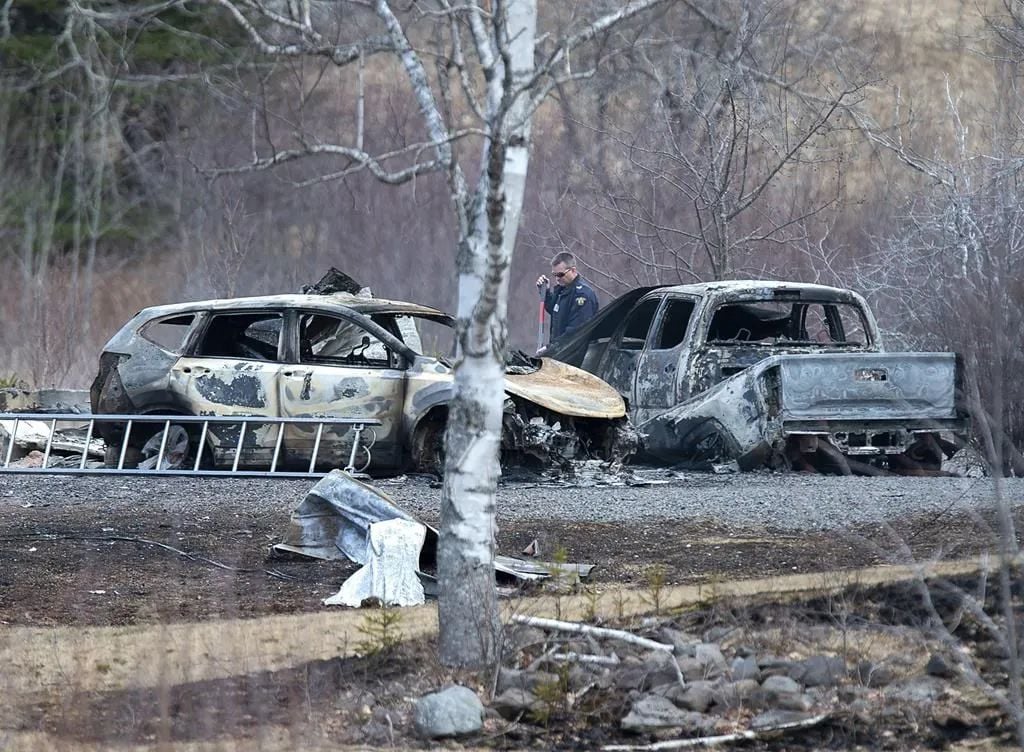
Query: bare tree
pixel 709 180
pixel 477 73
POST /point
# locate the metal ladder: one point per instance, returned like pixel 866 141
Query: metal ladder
pixel 9 436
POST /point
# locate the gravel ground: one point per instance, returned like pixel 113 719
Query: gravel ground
pixel 120 550
pixel 786 502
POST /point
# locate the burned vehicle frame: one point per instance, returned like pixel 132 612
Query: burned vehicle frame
pixel 771 374
pixel 342 355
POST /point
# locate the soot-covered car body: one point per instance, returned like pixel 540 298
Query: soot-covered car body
pixel 339 355
pixel 770 374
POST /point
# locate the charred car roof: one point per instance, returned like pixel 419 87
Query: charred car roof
pixel 331 302
pixel 748 287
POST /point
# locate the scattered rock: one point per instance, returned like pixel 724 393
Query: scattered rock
pixel 513 703
pixel 735 694
pixel 819 671
pixel 510 678
pixel 709 655
pixel 652 712
pixel 772 665
pixel 745 668
pixel 697 697
pixel 939 666
pixel 781 684
pixel 683 643
pixel 693 670
pixel 520 636
pixel 661 669
pixel 452 712
pixel 631 674
pixel 919 690
pixel 775 718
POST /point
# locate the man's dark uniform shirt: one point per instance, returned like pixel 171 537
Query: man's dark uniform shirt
pixel 570 307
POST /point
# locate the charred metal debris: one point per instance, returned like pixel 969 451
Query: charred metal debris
pixel 756 374
pixel 335 351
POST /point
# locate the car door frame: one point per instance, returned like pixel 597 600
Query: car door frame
pixel 389 438
pixel 664 364
pixel 613 347
pixel 259 440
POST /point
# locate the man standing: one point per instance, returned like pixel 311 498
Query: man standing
pixel 571 302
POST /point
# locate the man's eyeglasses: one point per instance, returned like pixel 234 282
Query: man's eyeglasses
pixel 561 274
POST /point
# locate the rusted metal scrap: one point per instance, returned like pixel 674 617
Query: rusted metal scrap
pixel 771 374
pixel 333 522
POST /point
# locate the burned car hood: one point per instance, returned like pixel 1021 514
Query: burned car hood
pixel 567 390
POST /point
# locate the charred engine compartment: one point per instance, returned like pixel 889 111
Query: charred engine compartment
pixel 536 436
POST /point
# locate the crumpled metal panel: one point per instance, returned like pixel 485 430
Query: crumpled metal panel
pixel 334 519
pixel 868 386
pixel 566 390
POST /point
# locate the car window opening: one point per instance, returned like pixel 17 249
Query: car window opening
pixel 337 341
pixel 169 333
pixel 253 336
pixel 638 324
pixel 674 324
pixel 804 323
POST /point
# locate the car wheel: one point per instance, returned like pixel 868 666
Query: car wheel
pixel 112 456
pixel 428 446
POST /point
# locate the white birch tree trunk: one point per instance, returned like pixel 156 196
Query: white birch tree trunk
pixel 468 609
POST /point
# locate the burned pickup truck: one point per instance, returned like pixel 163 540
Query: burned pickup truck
pixel 301 356
pixel 771 374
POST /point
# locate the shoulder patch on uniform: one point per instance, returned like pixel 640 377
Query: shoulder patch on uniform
pixel 581 300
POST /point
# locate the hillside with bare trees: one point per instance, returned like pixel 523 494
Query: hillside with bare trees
pixel 872 146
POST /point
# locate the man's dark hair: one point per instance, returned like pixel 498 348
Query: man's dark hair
pixel 564 258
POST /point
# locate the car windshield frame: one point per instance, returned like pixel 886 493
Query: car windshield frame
pixel 780 338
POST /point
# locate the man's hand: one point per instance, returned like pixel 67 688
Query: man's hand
pixel 542 281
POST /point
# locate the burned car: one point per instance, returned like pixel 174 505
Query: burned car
pixel 338 354
pixel 773 374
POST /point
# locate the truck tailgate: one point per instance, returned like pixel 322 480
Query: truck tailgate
pixel 868 386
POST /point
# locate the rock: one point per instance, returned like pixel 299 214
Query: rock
pixel 652 712
pixel 631 674
pixel 452 712
pixel 510 678
pixel 745 668
pixel 819 671
pixel 781 684
pixel 735 694
pixel 693 670
pixel 521 636
pixel 794 701
pixel 874 674
pixel 772 700
pixel 772 665
pixel 512 703
pixel 661 669
pixel 940 667
pixel 697 697
pixel 710 657
pixel 683 643
pixel 920 690
pixel 579 677
pixel 775 718
pixel 718 634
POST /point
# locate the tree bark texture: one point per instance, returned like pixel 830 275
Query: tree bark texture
pixel 468 609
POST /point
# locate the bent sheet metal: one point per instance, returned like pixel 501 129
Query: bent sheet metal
pixel 333 521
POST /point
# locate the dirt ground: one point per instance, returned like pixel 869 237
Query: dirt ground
pixel 88 565
pixel 83 564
